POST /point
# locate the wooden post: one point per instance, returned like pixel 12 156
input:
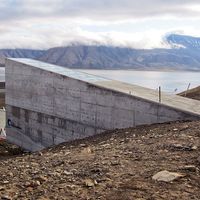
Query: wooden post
pixel 159 94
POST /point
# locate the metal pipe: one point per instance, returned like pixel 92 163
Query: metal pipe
pixel 187 89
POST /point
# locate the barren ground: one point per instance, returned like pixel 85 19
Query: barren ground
pixel 116 166
pixel 193 93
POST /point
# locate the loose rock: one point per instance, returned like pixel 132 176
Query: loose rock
pixel 167 176
pixel 90 183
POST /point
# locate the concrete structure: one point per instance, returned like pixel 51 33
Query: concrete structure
pixel 2 125
pixel 48 104
pixel 2 94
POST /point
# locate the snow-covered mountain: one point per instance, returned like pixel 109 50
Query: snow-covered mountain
pixel 184 41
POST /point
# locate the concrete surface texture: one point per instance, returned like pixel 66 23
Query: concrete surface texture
pixel 2 94
pixel 2 119
pixel 47 104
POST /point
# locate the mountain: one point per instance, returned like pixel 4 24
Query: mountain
pixel 19 53
pixel 83 56
pixel 184 41
pixel 183 54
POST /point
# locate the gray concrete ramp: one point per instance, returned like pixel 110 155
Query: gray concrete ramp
pixel 48 104
pixel 173 101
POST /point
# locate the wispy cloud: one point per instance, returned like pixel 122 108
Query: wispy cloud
pixel 101 10
pixel 137 24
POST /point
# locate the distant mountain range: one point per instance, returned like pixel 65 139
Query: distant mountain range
pixel 184 54
pixel 19 53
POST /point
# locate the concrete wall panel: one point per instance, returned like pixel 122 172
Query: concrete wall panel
pixel 48 108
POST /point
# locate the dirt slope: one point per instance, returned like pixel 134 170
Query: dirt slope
pixel 193 93
pixel 114 166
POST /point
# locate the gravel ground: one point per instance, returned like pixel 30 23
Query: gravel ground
pixel 118 165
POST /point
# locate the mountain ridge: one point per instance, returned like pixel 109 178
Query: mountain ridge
pixel 183 55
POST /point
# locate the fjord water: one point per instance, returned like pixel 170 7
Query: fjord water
pixel 171 81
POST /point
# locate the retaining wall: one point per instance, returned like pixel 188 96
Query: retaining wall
pixel 44 108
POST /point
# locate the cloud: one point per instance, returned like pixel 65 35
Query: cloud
pixel 99 10
pixel 44 36
pixel 42 24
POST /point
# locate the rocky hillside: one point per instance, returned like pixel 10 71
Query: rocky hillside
pixel 149 162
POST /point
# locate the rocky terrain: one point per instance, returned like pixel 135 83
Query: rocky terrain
pixel 120 165
pixel 182 54
pixel 193 93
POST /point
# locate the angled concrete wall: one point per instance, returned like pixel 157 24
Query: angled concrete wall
pixel 45 108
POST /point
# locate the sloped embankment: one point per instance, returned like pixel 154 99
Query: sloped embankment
pixel 113 166
pixel 193 93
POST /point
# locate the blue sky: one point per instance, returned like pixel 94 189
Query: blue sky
pixel 42 24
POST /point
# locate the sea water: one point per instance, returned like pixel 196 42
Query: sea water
pixel 171 81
